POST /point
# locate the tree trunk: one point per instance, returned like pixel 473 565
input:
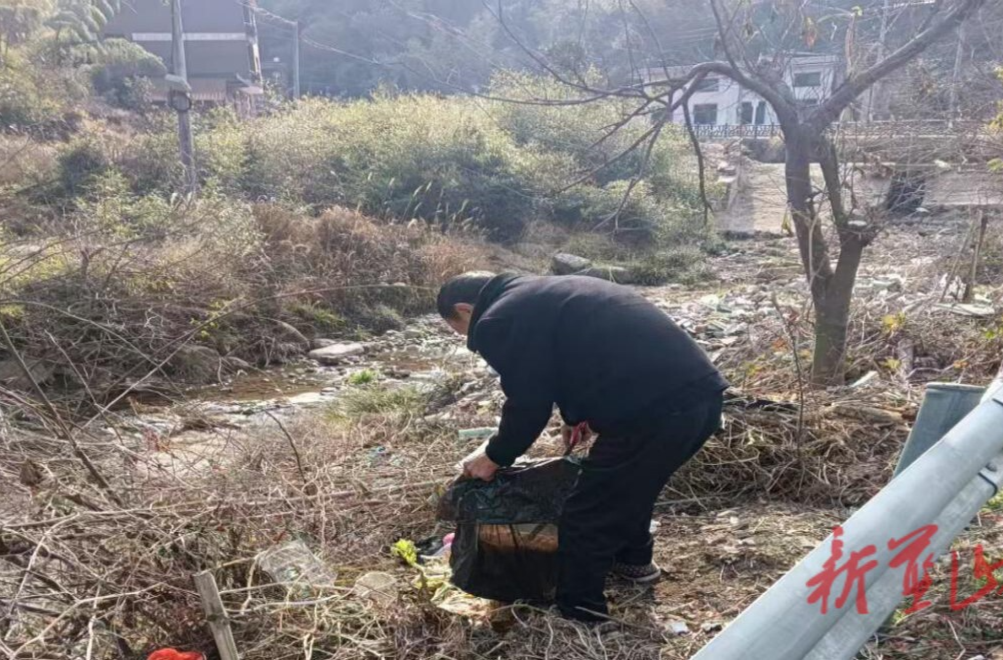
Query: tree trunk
pixel 811 242
pixel 832 316
pixel 831 291
pixel 828 364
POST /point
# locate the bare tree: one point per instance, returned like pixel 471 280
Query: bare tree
pixel 756 57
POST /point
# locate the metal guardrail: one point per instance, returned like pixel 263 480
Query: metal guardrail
pixel 849 130
pixel 939 493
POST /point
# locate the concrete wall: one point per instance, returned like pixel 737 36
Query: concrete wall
pixel 730 96
pixel 219 37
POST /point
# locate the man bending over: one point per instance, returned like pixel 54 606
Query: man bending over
pixel 606 356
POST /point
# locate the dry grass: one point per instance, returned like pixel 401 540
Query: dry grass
pixel 117 299
pixel 110 570
pixel 85 568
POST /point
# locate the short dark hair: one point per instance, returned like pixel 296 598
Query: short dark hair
pixel 463 288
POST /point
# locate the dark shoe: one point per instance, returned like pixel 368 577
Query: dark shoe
pixel 638 574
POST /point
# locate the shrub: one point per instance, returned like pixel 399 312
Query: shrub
pixel 684 264
pixel 367 272
pixel 121 72
pixel 25 162
pixel 405 401
pixel 221 148
pixel 80 163
pixel 402 157
pixel 600 247
pixel 150 160
pixel 576 131
pixel 24 101
pixel 633 218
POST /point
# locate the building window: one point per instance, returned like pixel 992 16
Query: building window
pixel 745 113
pixel 705 113
pixel 761 113
pixel 808 79
pixel 707 85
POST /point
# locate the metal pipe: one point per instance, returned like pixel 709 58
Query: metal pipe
pixel 851 632
pixel 782 625
pixel 944 405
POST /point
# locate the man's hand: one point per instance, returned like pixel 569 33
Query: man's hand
pixel 478 466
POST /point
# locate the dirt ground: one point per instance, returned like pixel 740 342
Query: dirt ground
pixel 350 460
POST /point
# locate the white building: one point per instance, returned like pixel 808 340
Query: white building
pixel 719 101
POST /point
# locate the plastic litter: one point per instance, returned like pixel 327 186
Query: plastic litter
pixel 377 587
pixel 677 627
pixel 174 654
pixel 476 434
pixel 505 547
pixel 294 565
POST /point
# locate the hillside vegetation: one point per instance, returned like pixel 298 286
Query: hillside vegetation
pixel 316 218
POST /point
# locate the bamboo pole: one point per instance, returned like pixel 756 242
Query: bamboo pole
pixel 215 614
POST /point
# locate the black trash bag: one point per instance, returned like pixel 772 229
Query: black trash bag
pixel 506 530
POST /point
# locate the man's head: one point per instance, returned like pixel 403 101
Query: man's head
pixel 457 297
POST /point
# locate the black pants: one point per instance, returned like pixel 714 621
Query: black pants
pixel 607 516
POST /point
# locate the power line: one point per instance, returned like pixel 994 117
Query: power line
pixel 294 25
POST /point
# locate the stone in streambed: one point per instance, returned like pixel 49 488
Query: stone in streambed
pixel 336 353
pixel 568 264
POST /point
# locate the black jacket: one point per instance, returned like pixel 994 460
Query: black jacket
pixel 599 351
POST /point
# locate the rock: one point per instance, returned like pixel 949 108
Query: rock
pixel 617 274
pixel 197 364
pixel 377 587
pixel 321 343
pixel 414 333
pixel 284 352
pixel 568 264
pixel 336 353
pixel 292 333
pixel 234 364
pixel 712 626
pixel 12 376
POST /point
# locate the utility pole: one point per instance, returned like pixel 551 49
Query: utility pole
pixel 959 55
pixel 179 96
pixel 296 59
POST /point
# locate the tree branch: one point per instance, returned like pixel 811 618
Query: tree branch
pixel 829 111
pixel 829 163
pixel 701 169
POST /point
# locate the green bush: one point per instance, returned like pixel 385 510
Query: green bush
pixel 450 162
pixel 80 163
pixel 121 72
pixel 633 217
pixel 599 247
pixel 684 264
pixel 395 157
pixel 221 146
pixel 577 131
pixel 25 103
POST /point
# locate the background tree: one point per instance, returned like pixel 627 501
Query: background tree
pixel 82 19
pixel 19 19
pixel 754 44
